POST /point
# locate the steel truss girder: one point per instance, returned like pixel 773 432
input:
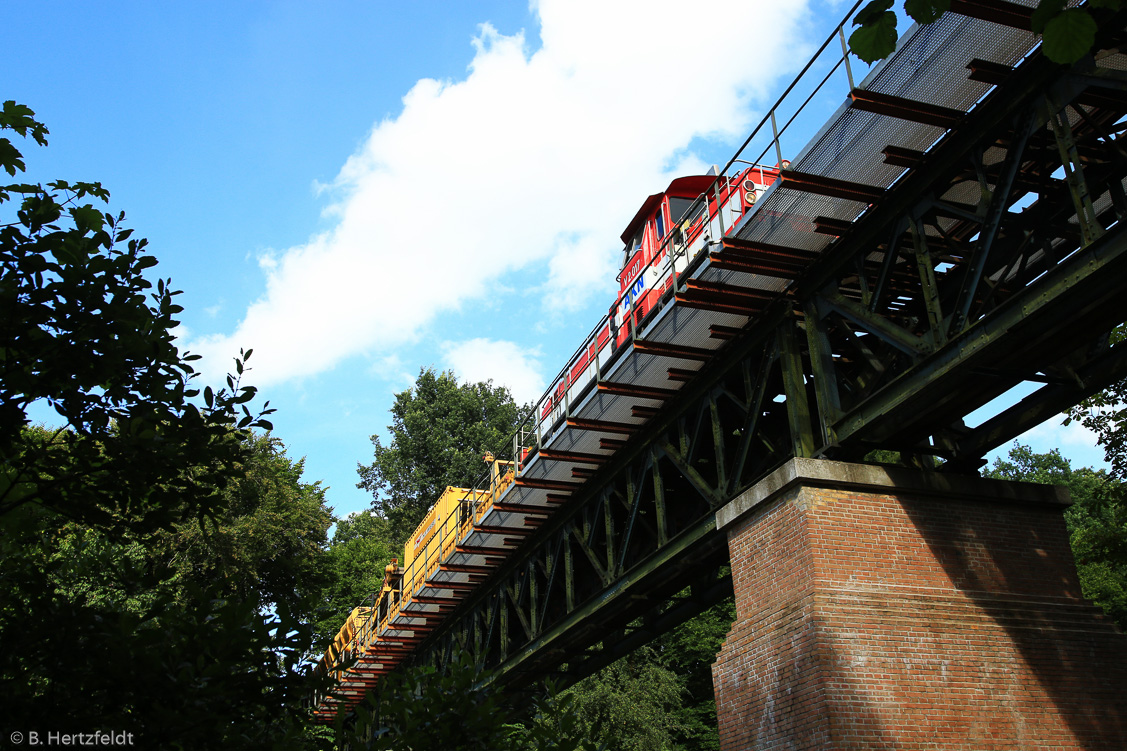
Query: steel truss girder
pixel 922 311
pixel 1015 293
pixel 637 535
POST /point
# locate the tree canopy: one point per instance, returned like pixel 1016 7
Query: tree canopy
pixel 268 545
pixel 440 430
pixel 418 708
pixel 355 561
pixel 143 533
pixel 86 332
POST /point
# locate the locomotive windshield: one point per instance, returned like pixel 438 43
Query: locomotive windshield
pixel 677 208
pixel 633 246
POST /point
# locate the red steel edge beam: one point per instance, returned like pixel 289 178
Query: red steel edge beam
pixel 522 508
pixel 902 108
pixel 680 352
pixel 465 568
pixel 997 11
pixel 639 392
pixel 602 426
pixel 500 530
pixel 572 456
pixel 829 186
pixel 532 482
pixel 710 302
pixel 724 333
pixel 720 289
pixel 764 251
pixel 480 549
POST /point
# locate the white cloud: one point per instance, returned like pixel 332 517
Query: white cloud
pixel 1075 442
pixel 505 363
pixel 532 163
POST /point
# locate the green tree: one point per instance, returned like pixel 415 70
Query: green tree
pixel 84 331
pixel 92 641
pixel 440 431
pixel 1068 33
pixel 632 704
pixel 97 630
pixel 1105 414
pixel 689 651
pixel 1097 522
pixel 420 708
pixel 269 545
pixel 354 562
pixel 660 696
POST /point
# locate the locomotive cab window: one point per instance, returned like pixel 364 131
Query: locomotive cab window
pixel 633 246
pixel 677 208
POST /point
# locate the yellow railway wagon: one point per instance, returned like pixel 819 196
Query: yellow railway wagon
pixel 449 521
pixel 435 537
pixel 343 642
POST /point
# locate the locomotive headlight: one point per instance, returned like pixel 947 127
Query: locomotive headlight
pixel 749 185
pixel 749 198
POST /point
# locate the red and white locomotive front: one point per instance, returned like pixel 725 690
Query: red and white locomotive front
pixel 666 235
pixel 669 229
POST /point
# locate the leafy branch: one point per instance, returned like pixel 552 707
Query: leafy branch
pixel 1067 33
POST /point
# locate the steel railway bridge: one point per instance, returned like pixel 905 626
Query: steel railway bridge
pixel 955 230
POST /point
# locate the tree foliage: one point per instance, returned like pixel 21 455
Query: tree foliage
pixel 178 652
pixel 1068 33
pixel 92 640
pixel 631 705
pixel 354 563
pixel 268 546
pixel 420 708
pixel 689 651
pixel 439 432
pixel 85 331
pixel 142 534
pixel 659 696
pixel 1105 414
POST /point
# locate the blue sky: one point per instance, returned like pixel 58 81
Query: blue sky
pixel 360 189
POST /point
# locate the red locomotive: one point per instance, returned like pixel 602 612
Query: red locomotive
pixel 666 233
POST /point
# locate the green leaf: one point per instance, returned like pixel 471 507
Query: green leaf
pixel 872 12
pixel 1046 11
pixel 87 218
pixel 21 119
pixel 875 41
pixel 1069 36
pixel 926 11
pixel 10 157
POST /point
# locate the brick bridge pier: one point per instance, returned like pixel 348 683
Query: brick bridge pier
pixel 882 608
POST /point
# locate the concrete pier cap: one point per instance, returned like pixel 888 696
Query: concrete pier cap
pixel 827 473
